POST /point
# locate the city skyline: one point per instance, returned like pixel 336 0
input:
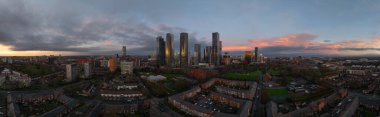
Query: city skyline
pixel 304 28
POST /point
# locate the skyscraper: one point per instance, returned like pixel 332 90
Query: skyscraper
pixel 215 56
pixel 197 54
pixel 184 49
pixel 169 49
pixel 124 49
pixel 226 59
pixel 207 54
pixel 247 57
pixel 160 51
pixel 256 54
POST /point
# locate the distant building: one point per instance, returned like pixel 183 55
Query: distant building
pixel 226 59
pixel 247 57
pixel 169 49
pixel 256 54
pixel 126 68
pixel 124 50
pixel 11 79
pixel 184 49
pixel 160 51
pixel 215 55
pixel 197 54
pixel 87 69
pixel 71 72
pixel 207 54
pixel 103 63
pixel 112 64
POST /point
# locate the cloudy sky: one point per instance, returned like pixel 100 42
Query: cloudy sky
pixel 277 27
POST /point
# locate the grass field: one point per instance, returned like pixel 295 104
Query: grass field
pixel 242 75
pixel 278 95
pixel 277 92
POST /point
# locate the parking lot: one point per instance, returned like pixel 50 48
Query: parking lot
pixel 202 100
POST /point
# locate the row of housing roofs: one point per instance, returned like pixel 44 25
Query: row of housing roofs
pixel 317 106
pixel 14 99
pixel 223 95
pixel 130 92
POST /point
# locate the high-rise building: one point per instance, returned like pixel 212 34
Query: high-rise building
pixel 207 52
pixel 71 72
pixel 256 54
pixel 87 69
pixel 124 49
pixel 169 49
pixel 160 51
pixel 247 57
pixel 220 52
pixel 126 68
pixel 184 49
pixel 197 54
pixel 112 64
pixel 215 56
pixel 226 59
pixel 261 58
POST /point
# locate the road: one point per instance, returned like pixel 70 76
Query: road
pixel 257 107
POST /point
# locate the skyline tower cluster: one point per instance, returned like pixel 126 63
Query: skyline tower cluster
pixel 165 51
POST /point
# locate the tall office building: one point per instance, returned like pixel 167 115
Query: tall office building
pixel 124 49
pixel 256 54
pixel 169 49
pixel 112 64
pixel 197 54
pixel 87 69
pixel 207 54
pixel 226 59
pixel 184 49
pixel 220 52
pixel 160 51
pixel 126 68
pixel 247 57
pixel 215 57
pixel 71 72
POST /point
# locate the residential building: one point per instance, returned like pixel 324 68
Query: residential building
pixel 71 72
pixel 126 68
pixel 87 69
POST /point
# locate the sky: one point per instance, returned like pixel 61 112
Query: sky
pixel 102 27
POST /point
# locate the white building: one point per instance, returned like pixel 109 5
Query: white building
pixel 71 72
pixel 23 79
pixel 126 68
pixel 87 69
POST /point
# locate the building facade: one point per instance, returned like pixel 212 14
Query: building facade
pixel 184 49
pixel 197 54
pixel 126 68
pixel 169 49
pixel 71 72
pixel 87 69
pixel 215 56
pixel 160 51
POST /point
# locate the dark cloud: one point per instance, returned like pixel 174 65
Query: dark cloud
pixel 359 49
pixel 23 26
